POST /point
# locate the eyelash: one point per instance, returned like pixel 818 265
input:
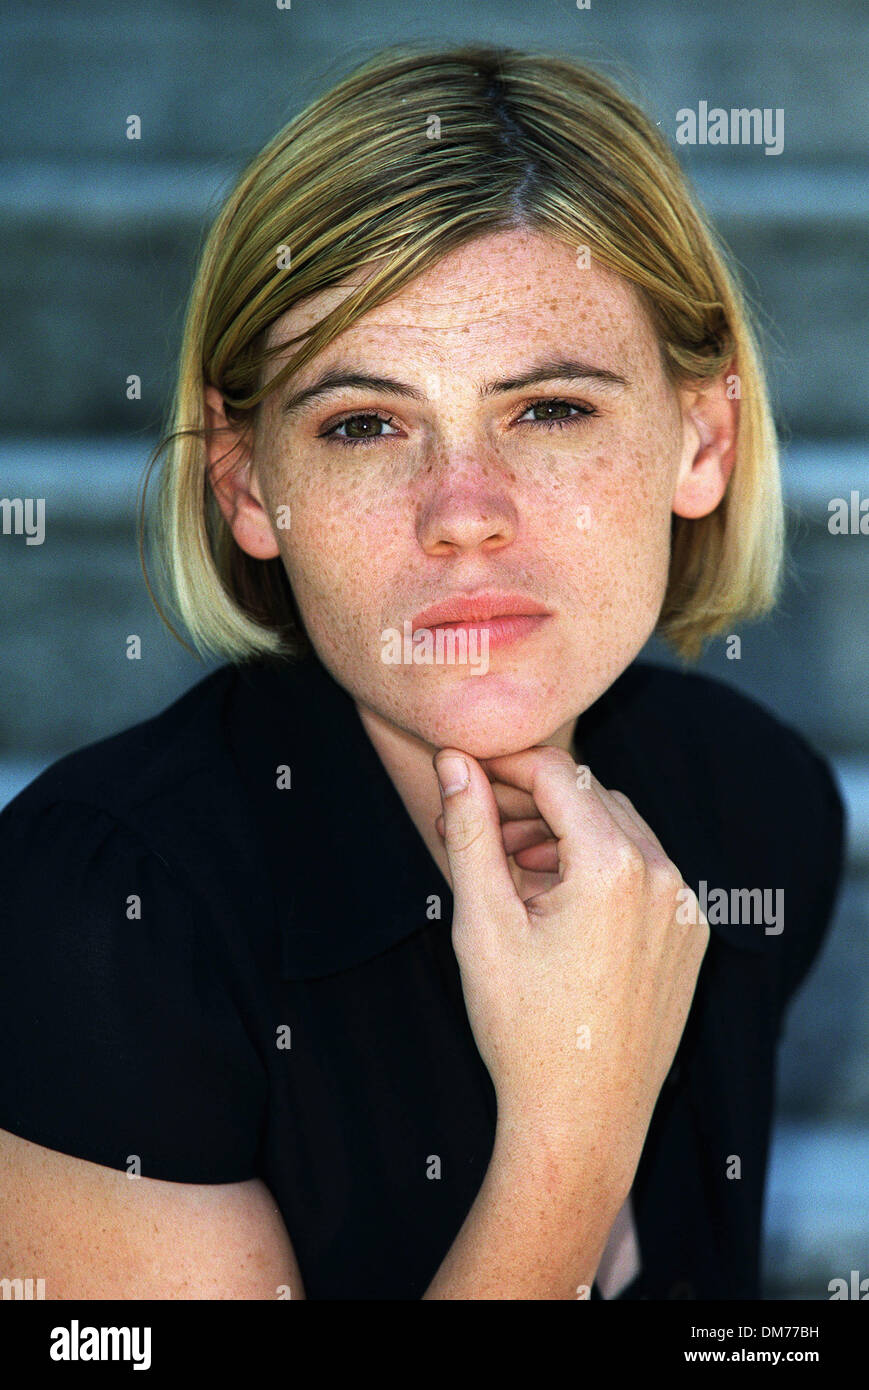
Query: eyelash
pixel 585 412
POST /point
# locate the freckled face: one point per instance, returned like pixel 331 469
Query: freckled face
pixel 560 490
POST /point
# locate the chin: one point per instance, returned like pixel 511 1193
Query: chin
pixel 489 715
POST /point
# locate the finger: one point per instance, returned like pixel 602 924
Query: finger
pixel 513 804
pixel 483 888
pixel 628 809
pixel 516 834
pixel 530 843
pixel 542 858
pixel 575 813
pixel 523 834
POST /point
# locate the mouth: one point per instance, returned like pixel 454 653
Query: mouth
pixel 504 617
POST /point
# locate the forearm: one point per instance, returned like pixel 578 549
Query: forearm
pixel 537 1229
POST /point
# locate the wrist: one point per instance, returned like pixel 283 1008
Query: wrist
pixel 562 1160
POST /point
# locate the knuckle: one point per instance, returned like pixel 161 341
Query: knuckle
pixel 627 859
pixel 666 878
pixel 621 798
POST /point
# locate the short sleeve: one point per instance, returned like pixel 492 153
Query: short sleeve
pixel 120 1044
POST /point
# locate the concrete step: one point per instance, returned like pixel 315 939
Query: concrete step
pixel 65 468
pixel 73 73
pixel 816 1221
pixel 825 1042
pixel 70 603
pixel 99 256
pixel 109 193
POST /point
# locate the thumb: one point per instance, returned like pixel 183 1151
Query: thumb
pixel 481 879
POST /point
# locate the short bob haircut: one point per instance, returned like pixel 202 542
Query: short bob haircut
pixel 415 153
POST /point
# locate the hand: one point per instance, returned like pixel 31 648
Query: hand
pixel 528 841
pixel 598 954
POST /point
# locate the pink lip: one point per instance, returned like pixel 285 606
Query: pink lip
pixel 506 616
pixel 500 631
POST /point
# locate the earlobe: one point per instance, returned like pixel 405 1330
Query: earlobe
pixel 229 468
pixel 710 421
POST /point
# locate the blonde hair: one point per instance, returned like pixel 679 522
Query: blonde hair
pixel 525 139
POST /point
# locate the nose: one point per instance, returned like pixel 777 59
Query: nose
pixel 466 508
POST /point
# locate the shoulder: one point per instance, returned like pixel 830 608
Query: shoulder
pixel 753 785
pixel 150 793
pixel 694 697
pixel 129 769
pixel 729 736
pixel 117 1013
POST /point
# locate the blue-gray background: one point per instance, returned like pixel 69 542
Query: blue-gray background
pixel 98 238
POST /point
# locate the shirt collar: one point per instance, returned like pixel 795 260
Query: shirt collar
pixel 351 875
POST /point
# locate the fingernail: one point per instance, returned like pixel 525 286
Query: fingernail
pixel 452 774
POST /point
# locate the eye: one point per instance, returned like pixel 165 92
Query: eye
pixel 583 412
pixel 368 421
pixel 366 418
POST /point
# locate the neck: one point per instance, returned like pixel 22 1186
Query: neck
pixel 408 760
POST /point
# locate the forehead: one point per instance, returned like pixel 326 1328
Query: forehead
pixel 511 288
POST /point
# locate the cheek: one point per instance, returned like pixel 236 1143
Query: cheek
pixel 614 523
pixel 337 525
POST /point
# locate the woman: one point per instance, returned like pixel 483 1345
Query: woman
pixel 375 966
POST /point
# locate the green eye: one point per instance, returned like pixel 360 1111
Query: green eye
pixel 583 412
pixel 374 418
pixel 369 416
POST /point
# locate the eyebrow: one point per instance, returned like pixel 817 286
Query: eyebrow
pixel 550 369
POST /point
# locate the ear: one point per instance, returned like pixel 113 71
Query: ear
pixel 233 481
pixel 710 419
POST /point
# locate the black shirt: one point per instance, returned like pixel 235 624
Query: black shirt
pixel 226 952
